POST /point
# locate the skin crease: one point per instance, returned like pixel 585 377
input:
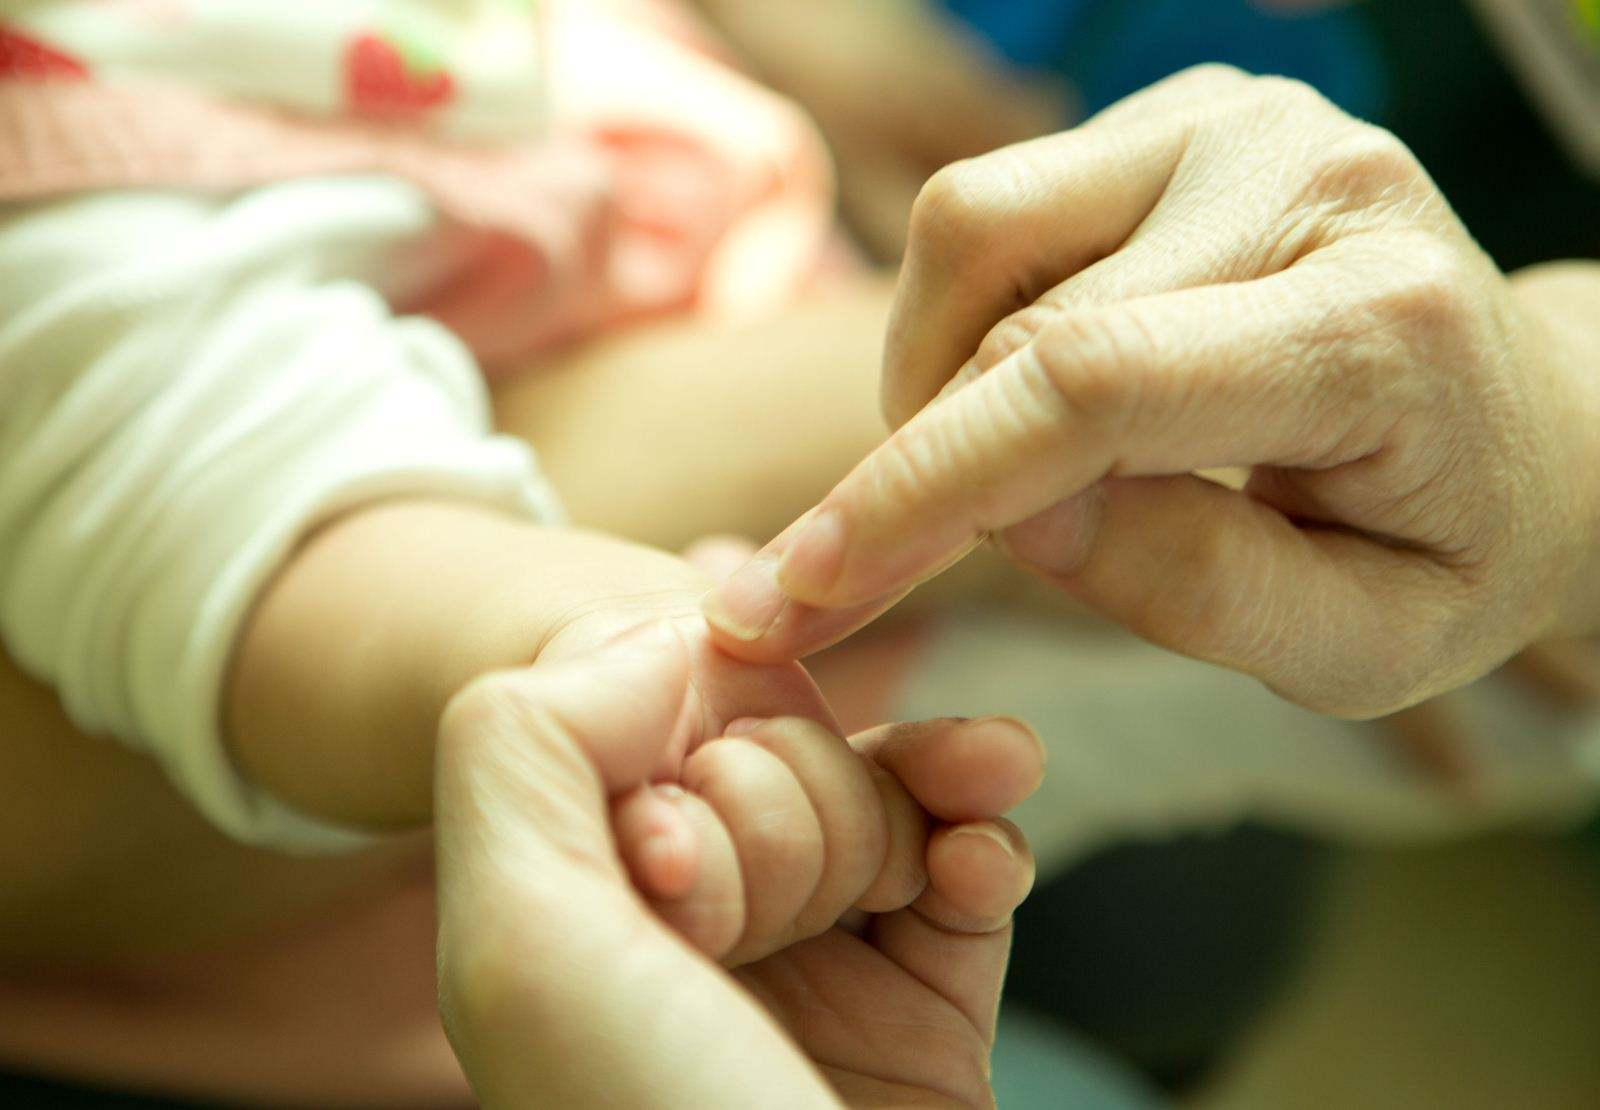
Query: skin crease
pixel 1249 279
pixel 559 987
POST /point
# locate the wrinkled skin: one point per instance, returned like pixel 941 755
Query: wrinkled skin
pixel 1221 271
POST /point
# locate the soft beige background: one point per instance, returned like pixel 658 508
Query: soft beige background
pixel 1456 978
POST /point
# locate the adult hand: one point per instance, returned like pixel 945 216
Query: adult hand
pixel 1222 271
pixel 560 988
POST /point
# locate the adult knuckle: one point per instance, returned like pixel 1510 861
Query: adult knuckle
pixel 1428 301
pixel 1378 155
pixel 951 211
pixel 1287 94
pixel 914 464
pixel 1012 334
pixel 1092 361
pixel 1403 332
pixel 1364 165
pixel 897 473
pixel 1211 77
pixel 1246 106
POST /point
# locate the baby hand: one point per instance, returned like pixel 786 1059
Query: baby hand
pixel 780 828
pixel 559 987
pixel 749 824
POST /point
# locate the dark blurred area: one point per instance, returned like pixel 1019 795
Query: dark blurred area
pixel 1422 68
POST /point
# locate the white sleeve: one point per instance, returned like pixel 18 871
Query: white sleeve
pixel 186 387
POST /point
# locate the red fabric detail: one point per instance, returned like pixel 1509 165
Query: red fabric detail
pixel 378 84
pixel 29 59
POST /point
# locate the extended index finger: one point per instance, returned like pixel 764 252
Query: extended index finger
pixel 1231 375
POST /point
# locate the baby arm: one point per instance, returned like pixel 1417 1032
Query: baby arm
pixel 353 651
pixel 762 825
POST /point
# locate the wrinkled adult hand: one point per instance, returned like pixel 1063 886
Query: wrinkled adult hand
pixel 560 987
pixel 1222 271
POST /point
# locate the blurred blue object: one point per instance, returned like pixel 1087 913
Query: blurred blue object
pixel 1031 33
pixel 1110 48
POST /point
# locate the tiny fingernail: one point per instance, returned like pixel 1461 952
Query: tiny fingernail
pixel 744 726
pixel 670 791
pixel 988 832
pixel 814 559
pixel 747 605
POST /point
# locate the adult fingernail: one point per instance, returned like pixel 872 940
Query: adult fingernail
pixel 1020 726
pixel 988 832
pixel 746 605
pixel 814 558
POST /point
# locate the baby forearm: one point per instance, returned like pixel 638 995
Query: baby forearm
pixel 379 618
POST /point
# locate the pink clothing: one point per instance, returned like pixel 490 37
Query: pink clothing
pixel 664 182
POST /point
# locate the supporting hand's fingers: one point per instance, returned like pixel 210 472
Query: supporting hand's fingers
pixel 552 739
pixel 959 769
pixel 957 936
pixel 941 961
pixel 548 962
